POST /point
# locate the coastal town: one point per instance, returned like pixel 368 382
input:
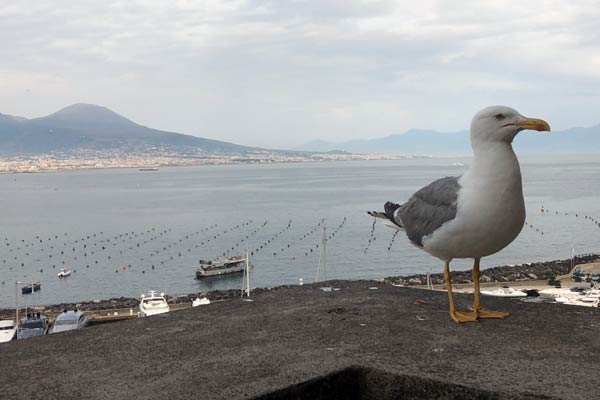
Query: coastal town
pixel 100 160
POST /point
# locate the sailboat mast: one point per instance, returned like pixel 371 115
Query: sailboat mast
pixel 247 275
pixel 323 257
pixel 324 244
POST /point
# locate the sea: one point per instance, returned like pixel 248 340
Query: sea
pixel 125 231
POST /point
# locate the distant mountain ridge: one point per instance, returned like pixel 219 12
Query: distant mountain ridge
pixel 430 142
pixel 91 127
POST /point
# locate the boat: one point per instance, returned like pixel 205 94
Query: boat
pixel 64 272
pixel 229 265
pixel 148 169
pixel 33 287
pixel 153 304
pixel 585 301
pixel 200 302
pixel 589 297
pixel 8 330
pixel 504 291
pixel 69 321
pixel 35 324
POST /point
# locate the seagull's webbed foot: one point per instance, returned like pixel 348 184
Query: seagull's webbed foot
pixel 458 316
pixel 484 314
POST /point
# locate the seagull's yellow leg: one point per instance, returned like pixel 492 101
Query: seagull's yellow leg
pixel 457 316
pixel 480 312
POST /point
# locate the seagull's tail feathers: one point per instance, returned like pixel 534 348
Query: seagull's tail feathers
pixel 389 215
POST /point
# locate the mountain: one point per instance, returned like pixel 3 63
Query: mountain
pixel 428 142
pixel 90 127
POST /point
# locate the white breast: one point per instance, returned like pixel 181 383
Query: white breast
pixel 490 207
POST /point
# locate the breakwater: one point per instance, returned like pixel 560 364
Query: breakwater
pixel 133 302
pixel 544 270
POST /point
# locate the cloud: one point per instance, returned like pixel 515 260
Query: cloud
pixel 284 72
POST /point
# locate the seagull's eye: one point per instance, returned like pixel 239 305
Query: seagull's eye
pixel 499 117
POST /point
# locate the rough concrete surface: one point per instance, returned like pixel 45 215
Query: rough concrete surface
pixel 297 342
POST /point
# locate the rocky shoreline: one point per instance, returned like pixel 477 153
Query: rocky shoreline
pixel 546 270
pixel 507 273
pixel 133 302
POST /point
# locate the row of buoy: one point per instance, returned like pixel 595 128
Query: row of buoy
pixel 577 215
pixel 240 242
pixel 371 237
pixel 187 236
pixel 126 239
pixel 268 242
pixel 304 237
pixel 328 238
pixel 392 241
pixel 69 244
pixel 85 249
pixel 538 230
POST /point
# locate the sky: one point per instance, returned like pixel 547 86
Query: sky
pixel 281 73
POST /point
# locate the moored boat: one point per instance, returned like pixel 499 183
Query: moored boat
pixel 504 291
pixel 35 324
pixel 8 330
pixel 221 267
pixel 68 321
pixel 32 287
pixel 200 302
pixel 153 304
pixel 64 272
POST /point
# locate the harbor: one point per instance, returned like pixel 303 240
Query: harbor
pixel 580 286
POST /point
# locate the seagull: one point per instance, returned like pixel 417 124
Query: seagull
pixel 476 214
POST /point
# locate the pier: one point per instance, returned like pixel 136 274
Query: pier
pixel 100 316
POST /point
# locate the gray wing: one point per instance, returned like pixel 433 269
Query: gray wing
pixel 429 208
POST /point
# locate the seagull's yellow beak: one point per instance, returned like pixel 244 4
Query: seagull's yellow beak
pixel 533 124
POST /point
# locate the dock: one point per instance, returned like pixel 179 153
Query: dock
pixel 103 316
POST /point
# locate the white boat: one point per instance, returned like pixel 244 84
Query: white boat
pixel 586 298
pixel 8 330
pixel 584 301
pixel 68 321
pixel 554 292
pixel 153 304
pixel 64 272
pixel 200 302
pixel 504 291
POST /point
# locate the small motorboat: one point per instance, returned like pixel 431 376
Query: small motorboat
pixel 8 330
pixel 200 302
pixel 64 272
pixel 153 304
pixel 504 291
pixel 33 287
pixel 585 301
pixel 69 321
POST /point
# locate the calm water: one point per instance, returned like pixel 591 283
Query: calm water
pixel 161 212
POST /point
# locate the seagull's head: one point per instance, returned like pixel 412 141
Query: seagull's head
pixel 501 124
